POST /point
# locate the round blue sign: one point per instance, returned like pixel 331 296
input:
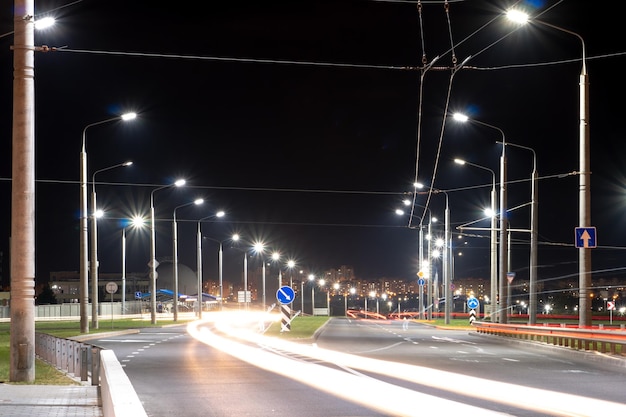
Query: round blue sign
pixel 421 281
pixel 285 295
pixel 472 303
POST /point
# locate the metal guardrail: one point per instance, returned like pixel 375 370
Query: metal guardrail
pixel 611 341
pixel 80 359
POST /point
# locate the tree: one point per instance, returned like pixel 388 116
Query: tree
pixel 46 296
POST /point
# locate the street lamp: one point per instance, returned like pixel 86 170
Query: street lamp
pixel 276 258
pixel 259 249
pixel 196 202
pixel 301 292
pixel 502 308
pixel 153 262
pixel 236 238
pixel 446 256
pixel 422 264
pixel 534 224
pixel 39 24
pixel 351 291
pixel 22 358
pixel 136 222
pixel 290 265
pixel 584 202
pixel 322 283
pixel 84 261
pixel 93 264
pixel 199 261
pixel 312 280
pixel 493 230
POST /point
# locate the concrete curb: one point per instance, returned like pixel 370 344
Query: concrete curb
pixel 119 398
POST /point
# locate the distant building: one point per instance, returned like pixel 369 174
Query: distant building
pixel 66 286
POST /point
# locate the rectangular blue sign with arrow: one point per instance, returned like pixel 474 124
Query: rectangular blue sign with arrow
pixel 585 237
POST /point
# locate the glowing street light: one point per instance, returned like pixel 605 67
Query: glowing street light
pixel 196 202
pixel 136 222
pixel 84 261
pixel 153 262
pixel 312 281
pixel 94 264
pixel 584 203
pixel 502 308
pixel 493 229
pixel 219 214
pixel 39 24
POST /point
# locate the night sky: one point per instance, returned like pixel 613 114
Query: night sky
pixel 301 120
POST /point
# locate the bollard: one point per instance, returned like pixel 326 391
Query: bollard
pixel 95 365
pixel 83 363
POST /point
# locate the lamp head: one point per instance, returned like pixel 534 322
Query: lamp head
pixel 44 23
pixel 460 117
pixel 517 16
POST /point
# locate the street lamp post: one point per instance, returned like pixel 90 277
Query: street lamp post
pixel 153 262
pixel 584 202
pixel 94 264
pixel 259 249
pixel 312 280
pixel 322 283
pixel 276 258
pixel 135 222
pixel 256 247
pixel 175 254
pixel 446 255
pixel 245 279
pixel 502 308
pixel 301 294
pixel 534 224
pixel 493 230
pixel 84 232
pixel 351 291
pixel 426 271
pixel 199 262
pixel 290 265
pixel 22 269
pixel 447 263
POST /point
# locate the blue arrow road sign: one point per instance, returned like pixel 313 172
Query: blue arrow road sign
pixel 285 295
pixel 472 302
pixel 586 237
pixel 421 282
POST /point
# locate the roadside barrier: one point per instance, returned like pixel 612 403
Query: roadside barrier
pixel 611 341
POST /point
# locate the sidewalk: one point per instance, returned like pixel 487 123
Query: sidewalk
pixel 50 401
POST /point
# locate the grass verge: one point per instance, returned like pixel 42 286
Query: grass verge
pixel 46 374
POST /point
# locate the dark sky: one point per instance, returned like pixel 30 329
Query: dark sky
pixel 300 119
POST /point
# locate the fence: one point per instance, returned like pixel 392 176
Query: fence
pixel 68 310
pixel 602 339
pixel 77 358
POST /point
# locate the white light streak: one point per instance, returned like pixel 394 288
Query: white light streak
pixel 380 395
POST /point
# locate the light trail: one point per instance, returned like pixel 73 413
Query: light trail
pixel 380 395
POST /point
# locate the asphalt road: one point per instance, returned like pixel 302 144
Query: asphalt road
pixel 360 368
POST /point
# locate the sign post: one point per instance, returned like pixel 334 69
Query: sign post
pixel 285 296
pixel 421 281
pixel 610 305
pixel 472 304
pixel 111 288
